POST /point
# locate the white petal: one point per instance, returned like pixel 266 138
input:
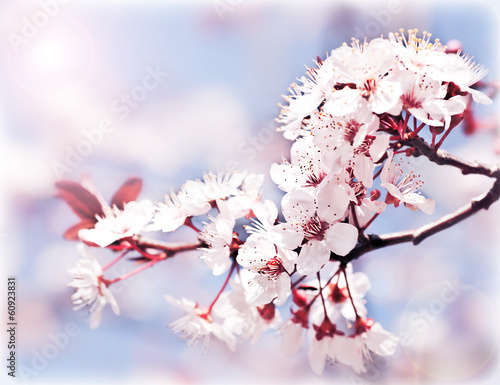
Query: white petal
pixel 379 146
pixel 332 202
pixel 286 176
pixel 217 260
pixel 381 341
pixel 298 206
pixel 225 229
pixel 344 102
pixel 101 238
pixel 479 97
pixel 96 314
pixel 348 352
pixel 359 284
pixel 341 238
pixel 289 236
pixel 266 212
pixel 283 289
pixel 313 255
pixel 292 339
pixel 317 354
pixel 387 98
pixel 363 170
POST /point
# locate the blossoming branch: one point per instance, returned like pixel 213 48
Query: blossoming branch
pixel 353 119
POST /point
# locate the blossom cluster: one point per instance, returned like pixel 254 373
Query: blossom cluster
pixel 352 120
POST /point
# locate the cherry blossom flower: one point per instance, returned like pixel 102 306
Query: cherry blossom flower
pixel 352 142
pixel 117 224
pixel 242 319
pixel 368 79
pixel 417 54
pixel 172 214
pixel 369 337
pixel 314 224
pixel 405 189
pixel 88 204
pixel 308 167
pixel 343 298
pixel 91 288
pixel 214 186
pixel 218 235
pixel 266 215
pixel 247 196
pixel 340 297
pixel 266 276
pixel 265 226
pixel 323 345
pixel 331 132
pixel 420 98
pixel 293 330
pixel 197 325
pixel 197 198
pixel 305 99
pixel 464 72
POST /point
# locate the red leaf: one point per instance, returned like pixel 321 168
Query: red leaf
pixel 82 202
pixel 128 192
pixel 72 233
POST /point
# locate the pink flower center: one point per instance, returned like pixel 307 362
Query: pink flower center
pixel 338 295
pixel 350 129
pixel 364 147
pixel 315 228
pixel 327 329
pixel 272 268
pixel 314 179
pixel 411 101
pixel 369 87
pixel 359 190
pixel 362 325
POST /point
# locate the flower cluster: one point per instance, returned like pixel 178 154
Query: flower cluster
pixel 340 330
pixel 353 118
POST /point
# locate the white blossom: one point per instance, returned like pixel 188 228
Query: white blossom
pixel 91 290
pixel 197 325
pixel 117 224
pixel 403 188
pixel 314 224
pixel 266 276
pixel 218 235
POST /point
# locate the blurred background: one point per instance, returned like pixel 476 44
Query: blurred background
pixel 166 90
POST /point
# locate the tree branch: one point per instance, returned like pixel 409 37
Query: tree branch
pixel 170 248
pixel 443 158
pixel 415 236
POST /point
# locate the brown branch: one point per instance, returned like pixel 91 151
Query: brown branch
pixel 444 158
pixel 483 202
pixel 170 248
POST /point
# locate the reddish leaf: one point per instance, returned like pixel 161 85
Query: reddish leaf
pixel 128 192
pixel 72 233
pixel 82 202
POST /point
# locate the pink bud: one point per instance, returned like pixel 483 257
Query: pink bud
pixel 267 311
pixel 453 46
pixel 374 195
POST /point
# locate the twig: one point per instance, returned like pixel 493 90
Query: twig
pixel 170 247
pixel 443 158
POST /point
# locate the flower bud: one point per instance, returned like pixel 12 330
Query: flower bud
pixel 374 195
pixel 267 312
